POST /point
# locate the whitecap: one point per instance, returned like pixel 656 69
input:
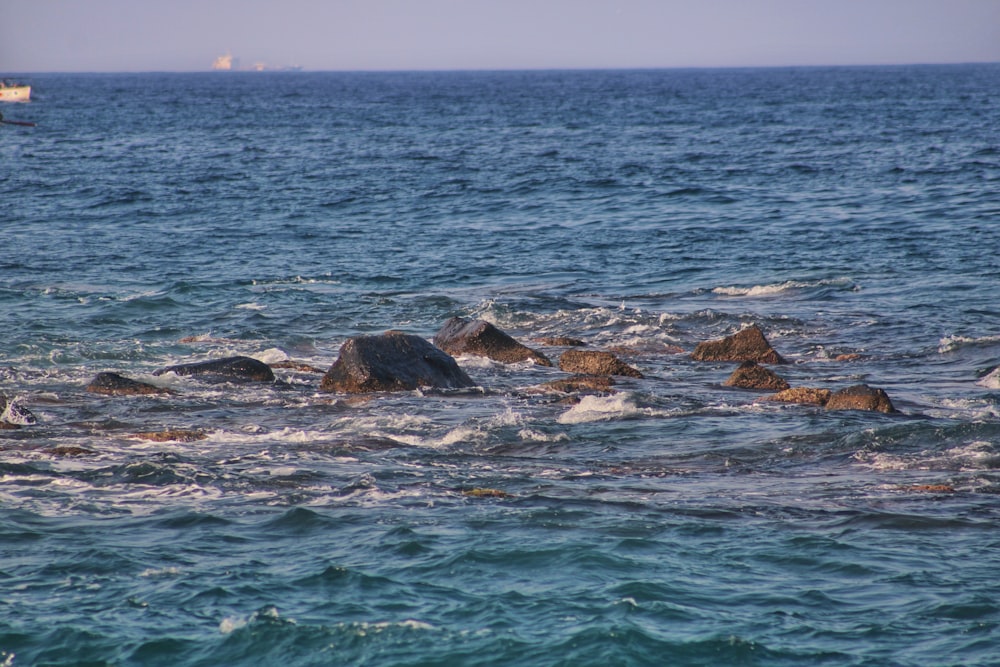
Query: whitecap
pixel 991 380
pixel 599 408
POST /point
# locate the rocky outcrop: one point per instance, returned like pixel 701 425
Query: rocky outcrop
pixel 230 369
pixel 393 361
pixel 860 397
pixel 461 336
pixel 746 345
pixel 175 434
pixel 113 384
pixel 594 362
pixel 804 395
pixel 14 415
pixel 751 375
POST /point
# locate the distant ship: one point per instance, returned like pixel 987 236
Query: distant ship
pixel 12 92
pixel 227 63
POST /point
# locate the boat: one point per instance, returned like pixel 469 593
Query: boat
pixel 12 92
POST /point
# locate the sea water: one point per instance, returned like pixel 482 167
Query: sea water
pixel 155 219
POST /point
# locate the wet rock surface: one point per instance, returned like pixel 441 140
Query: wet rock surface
pixel 749 344
pixel 461 336
pixel 595 362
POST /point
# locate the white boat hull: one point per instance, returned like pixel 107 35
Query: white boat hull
pixel 15 93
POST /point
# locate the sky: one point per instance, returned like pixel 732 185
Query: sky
pixel 187 35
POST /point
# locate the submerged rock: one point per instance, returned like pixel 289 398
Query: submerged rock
pixel 174 434
pixel 113 384
pixel 14 415
pixel 599 384
pixel 244 369
pixel 860 397
pixel 751 375
pixel 804 395
pixel 746 345
pixel 561 341
pixel 595 362
pixel 479 337
pixel 393 361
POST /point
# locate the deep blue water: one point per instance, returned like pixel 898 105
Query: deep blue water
pixel 154 219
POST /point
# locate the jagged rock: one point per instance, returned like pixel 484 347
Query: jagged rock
pixel 243 369
pixel 461 336
pixel 751 375
pixel 746 345
pixel 393 361
pixel 805 395
pixel 561 341
pixel 594 362
pixel 113 384
pixel 14 415
pixel 600 384
pixel 486 493
pixel 860 397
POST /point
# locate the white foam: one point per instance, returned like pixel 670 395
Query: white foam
pixel 250 306
pixel 778 288
pixel 599 408
pixel 531 435
pixel 952 343
pixel 990 380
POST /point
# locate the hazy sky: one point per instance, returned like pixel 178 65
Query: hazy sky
pixel 185 35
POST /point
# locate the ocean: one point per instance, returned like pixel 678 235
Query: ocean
pixel 156 219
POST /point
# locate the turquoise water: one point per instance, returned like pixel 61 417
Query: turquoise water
pixel 156 219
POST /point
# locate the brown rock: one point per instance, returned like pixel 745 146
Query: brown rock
pixel 601 384
pixel 486 493
pixel 561 341
pixel 593 362
pixel 461 336
pixel 746 345
pixel 393 361
pixel 113 384
pixel 805 395
pixel 847 356
pixel 751 375
pixel 180 435
pixel 860 397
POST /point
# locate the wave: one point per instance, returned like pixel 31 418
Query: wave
pixel 953 343
pixel 774 289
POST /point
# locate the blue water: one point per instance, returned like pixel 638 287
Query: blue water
pixel 154 219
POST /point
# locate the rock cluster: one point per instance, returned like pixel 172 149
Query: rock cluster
pixel 397 361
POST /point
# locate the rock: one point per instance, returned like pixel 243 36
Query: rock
pixel 805 395
pixel 561 341
pixel 13 414
pixel 243 369
pixel 751 375
pixel 177 434
pixel 113 384
pixel 461 336
pixel 594 362
pixel 860 397
pixel 600 384
pixel 393 361
pixel 486 493
pixel 746 345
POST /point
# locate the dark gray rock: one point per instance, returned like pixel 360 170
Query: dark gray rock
pixel 113 384
pixel 230 369
pixel 14 415
pixel 393 361
pixel 461 336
